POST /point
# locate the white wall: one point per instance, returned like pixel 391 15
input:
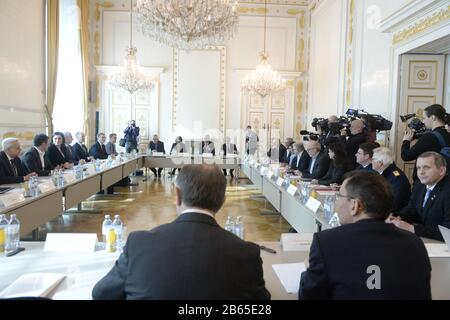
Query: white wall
pixel 327 56
pixel 447 84
pixel 199 89
pixel 22 73
pixel 372 58
pixel 389 7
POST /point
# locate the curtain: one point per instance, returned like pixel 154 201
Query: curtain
pixel 52 58
pixel 84 41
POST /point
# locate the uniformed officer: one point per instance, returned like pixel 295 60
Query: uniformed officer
pixel 383 163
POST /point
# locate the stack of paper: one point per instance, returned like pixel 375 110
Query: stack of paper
pixel 296 241
pixel 437 250
pixel 33 285
pixel 289 275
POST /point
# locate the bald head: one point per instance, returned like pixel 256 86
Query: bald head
pixel 357 126
pixel 332 119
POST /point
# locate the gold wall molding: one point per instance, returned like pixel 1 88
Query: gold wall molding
pixel 98 5
pixel 278 2
pixel 349 68
pixel 437 17
pixel 259 10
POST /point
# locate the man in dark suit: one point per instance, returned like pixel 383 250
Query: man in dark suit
pixel 229 148
pixel 111 145
pixel 383 163
pixel 319 163
pixel 286 156
pixel 352 142
pixel 156 146
pixel 98 150
pixel 68 140
pixel 366 258
pixel 35 160
pixel 12 169
pixel 277 151
pixel 207 146
pixel 429 205
pixel 80 152
pixel 301 159
pixel 191 258
pixel 364 155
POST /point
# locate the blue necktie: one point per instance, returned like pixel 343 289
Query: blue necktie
pixel 427 195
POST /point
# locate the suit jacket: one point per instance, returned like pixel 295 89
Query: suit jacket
pixel 338 270
pixel 277 153
pixel 32 162
pixel 367 168
pixel 335 174
pixel 159 147
pixel 286 157
pixel 303 164
pixel 400 186
pixel 189 258
pixel 111 148
pixel 320 167
pixel 211 146
pixel 436 211
pixel 182 148
pixel 233 147
pixel 7 175
pixel 98 151
pixel 352 145
pixel 79 152
pixel 57 158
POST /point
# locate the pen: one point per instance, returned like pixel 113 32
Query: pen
pixel 16 251
pixel 267 249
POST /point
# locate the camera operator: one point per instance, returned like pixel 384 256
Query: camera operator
pixel 370 125
pixel 435 120
pixel 356 137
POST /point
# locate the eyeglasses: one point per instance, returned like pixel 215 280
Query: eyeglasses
pixel 339 195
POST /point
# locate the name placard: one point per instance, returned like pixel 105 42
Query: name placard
pixel 46 186
pixel 207 155
pixel 280 181
pixel 70 242
pixel 313 204
pixel 292 190
pixel 70 178
pixel 12 198
pixel 157 154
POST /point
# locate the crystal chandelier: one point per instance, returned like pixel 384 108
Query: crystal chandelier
pixel 130 78
pixel 263 81
pixel 188 24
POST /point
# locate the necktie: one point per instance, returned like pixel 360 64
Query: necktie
pixel 427 195
pixel 14 167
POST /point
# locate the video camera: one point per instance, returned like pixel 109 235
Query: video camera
pixel 320 122
pixel 378 122
pixel 416 124
pixel 309 136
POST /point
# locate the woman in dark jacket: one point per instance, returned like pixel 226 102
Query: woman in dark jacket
pixel 339 166
pixel 57 152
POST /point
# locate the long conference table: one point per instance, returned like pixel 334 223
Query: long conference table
pixel 83 270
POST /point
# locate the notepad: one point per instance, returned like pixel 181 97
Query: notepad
pixel 33 285
pixel 437 250
pixel 296 241
pixel 289 275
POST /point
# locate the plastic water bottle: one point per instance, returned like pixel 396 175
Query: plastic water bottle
pixel 328 206
pixel 118 229
pixel 239 228
pixel 3 232
pixel 334 221
pixel 97 165
pixel 106 226
pixel 78 172
pixel 13 233
pixel 229 224
pixel 61 178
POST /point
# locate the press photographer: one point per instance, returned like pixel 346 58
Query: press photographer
pixel 435 118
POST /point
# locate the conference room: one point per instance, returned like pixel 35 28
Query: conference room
pixel 225 150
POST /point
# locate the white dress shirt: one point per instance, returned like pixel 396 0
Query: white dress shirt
pixel 199 211
pixel 41 156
